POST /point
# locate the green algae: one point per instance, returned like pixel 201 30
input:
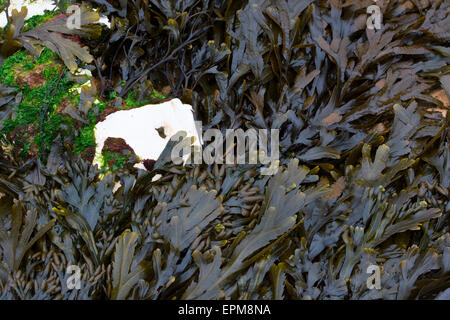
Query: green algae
pixel 38 110
pixel 86 135
pixel 8 69
pixel 38 113
pixel 131 101
pixel 112 161
pixel 37 20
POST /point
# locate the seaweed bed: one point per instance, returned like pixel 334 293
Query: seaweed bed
pixel 364 154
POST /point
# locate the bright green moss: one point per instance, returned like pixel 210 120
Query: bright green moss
pixel 50 129
pixel 158 95
pixel 131 101
pixel 111 95
pixel 101 106
pixel 118 161
pixel 46 56
pixel 24 60
pixel 7 73
pixel 85 139
pixel 34 21
pixel 86 135
pixel 24 152
pixel 28 66
pixel 38 108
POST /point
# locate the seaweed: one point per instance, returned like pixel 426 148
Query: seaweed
pixel 364 153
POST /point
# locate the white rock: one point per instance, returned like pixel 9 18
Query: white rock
pixel 83 72
pixel 77 88
pixel 138 128
pixel 105 21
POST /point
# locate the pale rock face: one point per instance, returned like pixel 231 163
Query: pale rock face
pixel 138 127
